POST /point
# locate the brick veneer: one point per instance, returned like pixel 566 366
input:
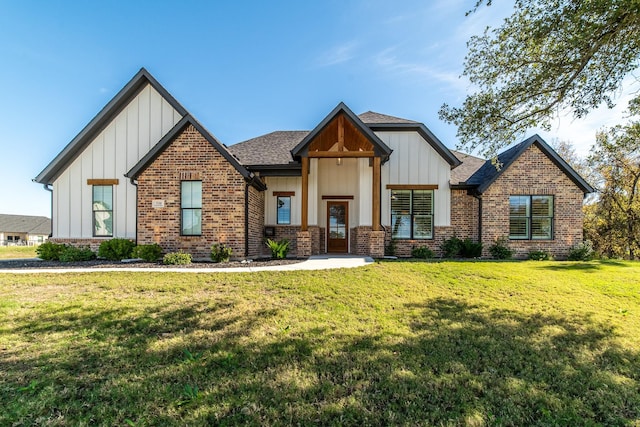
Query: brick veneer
pixel 94 244
pixel 191 157
pixel 533 173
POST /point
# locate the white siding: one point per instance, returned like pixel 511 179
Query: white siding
pixel 334 180
pixel 137 128
pixel 282 184
pixel 414 161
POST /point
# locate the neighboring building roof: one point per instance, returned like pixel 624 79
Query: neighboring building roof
pixel 470 165
pixel 271 149
pixel 174 133
pixel 488 172
pixel 99 122
pixel 373 117
pixel 37 225
pixel 380 148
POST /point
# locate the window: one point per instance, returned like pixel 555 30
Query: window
pixel 412 214
pixel 283 210
pixel 103 210
pixel 531 217
pixel 191 208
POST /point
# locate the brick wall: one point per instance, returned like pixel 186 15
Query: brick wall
pixel 533 173
pixel 440 234
pixel 191 157
pixel 256 221
pixel 94 244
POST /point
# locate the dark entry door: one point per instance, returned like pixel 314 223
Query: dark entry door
pixel 338 227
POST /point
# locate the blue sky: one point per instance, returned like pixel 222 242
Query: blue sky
pixel 242 68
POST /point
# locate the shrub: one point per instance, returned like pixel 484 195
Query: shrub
pixel 451 247
pixel 582 252
pixel 50 251
pixel 390 248
pixel 177 258
pixel 116 249
pixel 149 253
pixel 499 249
pixel 539 255
pixel 422 252
pixel 279 249
pixel 73 254
pixel 220 252
pixel 470 249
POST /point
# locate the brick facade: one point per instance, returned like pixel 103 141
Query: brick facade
pixel 533 173
pixel 191 157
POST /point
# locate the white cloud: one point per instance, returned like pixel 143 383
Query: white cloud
pixel 337 54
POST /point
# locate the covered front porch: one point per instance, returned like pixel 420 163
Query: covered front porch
pixel 340 187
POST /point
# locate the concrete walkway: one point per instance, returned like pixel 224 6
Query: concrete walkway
pixel 316 262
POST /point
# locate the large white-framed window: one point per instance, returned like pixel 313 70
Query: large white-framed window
pixel 102 204
pixel 531 217
pixel 412 214
pixel 191 208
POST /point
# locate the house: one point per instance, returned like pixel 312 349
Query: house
pixel 144 168
pixel 24 229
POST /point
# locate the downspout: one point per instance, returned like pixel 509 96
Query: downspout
pixel 246 219
pixel 135 184
pixel 50 189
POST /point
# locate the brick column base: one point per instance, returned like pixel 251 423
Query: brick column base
pixel 303 241
pixel 376 244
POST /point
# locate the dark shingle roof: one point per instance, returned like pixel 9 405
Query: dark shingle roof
pixel 25 224
pixel 373 117
pixel 270 149
pixel 470 164
pixel 488 172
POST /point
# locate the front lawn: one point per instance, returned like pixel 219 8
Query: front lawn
pixel 439 343
pixel 12 252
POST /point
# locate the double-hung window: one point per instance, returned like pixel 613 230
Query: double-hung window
pixel 191 208
pixel 531 217
pixel 283 204
pixel 412 214
pixel 102 210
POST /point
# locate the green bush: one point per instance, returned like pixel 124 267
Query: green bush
pixel 390 248
pixel 422 252
pixel 539 255
pixel 451 247
pixel 470 249
pixel 220 252
pixel 149 253
pixel 499 249
pixel 279 249
pixel 582 252
pixel 50 251
pixel 116 249
pixel 177 258
pixel 73 254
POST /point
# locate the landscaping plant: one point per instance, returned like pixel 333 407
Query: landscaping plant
pixel 116 249
pixel 220 252
pixel 279 249
pixel 149 253
pixel 177 258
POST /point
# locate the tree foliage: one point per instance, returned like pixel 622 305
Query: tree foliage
pixel 549 55
pixel 613 221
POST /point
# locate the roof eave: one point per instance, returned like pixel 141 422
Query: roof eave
pixel 101 120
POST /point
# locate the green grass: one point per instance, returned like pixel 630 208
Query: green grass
pixel 13 252
pixel 440 343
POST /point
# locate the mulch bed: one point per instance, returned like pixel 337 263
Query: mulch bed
pixel 22 264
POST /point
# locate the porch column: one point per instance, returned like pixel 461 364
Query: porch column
pixel 375 214
pixel 305 195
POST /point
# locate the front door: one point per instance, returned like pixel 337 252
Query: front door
pixel 338 227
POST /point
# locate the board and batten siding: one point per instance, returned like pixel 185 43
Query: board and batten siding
pixel 414 161
pixel 129 136
pixel 278 184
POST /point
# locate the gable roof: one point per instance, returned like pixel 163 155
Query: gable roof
pixel 488 173
pixel 470 165
pixel 379 147
pixel 174 133
pixel 40 225
pixel 101 120
pixel 271 149
pixel 373 117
